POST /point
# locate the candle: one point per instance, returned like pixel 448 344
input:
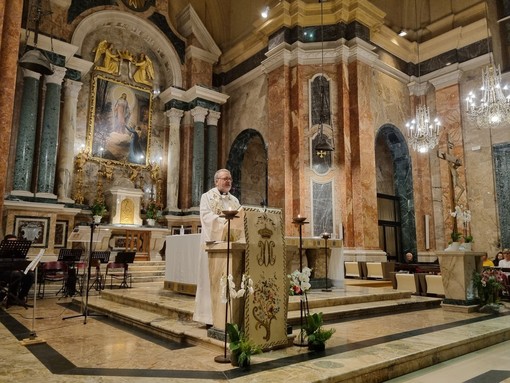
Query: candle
pixel 299 215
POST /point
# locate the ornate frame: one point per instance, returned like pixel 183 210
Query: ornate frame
pixel 38 229
pixel 119 124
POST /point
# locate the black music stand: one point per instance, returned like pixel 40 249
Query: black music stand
pixel 14 250
pixel 86 313
pixel 102 257
pixel 125 257
pixel 13 253
pixel 70 257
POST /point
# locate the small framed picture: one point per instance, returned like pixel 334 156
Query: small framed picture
pixel 34 229
pixel 61 234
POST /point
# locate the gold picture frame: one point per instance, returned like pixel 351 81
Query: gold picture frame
pixel 120 119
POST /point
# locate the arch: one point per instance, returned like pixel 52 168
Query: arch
pixel 152 36
pixel 403 182
pixel 250 187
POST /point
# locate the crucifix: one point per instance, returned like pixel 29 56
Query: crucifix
pixel 453 164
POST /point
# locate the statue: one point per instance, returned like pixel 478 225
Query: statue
pixel 144 73
pixel 453 164
pixel 111 59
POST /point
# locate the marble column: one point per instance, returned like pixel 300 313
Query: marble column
pixel 173 160
pixel 49 135
pixel 25 145
pixel 66 148
pixel 10 13
pixel 198 170
pixel 211 147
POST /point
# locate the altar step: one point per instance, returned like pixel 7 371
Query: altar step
pixel 170 315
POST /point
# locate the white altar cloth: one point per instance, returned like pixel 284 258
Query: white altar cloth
pixel 181 257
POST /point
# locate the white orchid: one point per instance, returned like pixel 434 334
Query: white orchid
pixel 246 287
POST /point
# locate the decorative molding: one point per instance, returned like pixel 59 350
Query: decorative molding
pixel 188 23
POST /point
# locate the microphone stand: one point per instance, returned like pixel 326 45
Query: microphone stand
pixel 86 313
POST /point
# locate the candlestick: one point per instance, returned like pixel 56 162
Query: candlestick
pixel 228 215
pixel 326 236
pixel 300 221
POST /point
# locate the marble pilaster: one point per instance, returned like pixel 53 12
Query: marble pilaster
pixel 173 158
pixel 211 147
pixel 197 187
pixel 25 145
pixel 10 14
pixel 66 141
pixel 364 184
pixel 49 135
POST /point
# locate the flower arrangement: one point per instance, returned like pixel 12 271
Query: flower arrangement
pixel 98 208
pixel 152 211
pixel 246 287
pixel 489 282
pixel 468 239
pixel 455 236
pixel 300 281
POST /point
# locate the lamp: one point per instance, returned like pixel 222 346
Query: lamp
pixel 323 146
pixel 494 106
pixel 34 59
pixel 422 130
pixel 265 12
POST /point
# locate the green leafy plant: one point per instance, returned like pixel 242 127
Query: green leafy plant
pixel 316 335
pixel 468 238
pixel 98 208
pixel 152 211
pixel 455 236
pixel 241 348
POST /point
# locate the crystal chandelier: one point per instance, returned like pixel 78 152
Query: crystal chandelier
pixel 422 133
pixel 494 106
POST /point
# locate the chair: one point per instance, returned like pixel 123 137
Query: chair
pixel 139 241
pixel 54 271
pixel 118 271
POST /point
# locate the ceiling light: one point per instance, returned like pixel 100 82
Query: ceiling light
pixel 402 33
pixel 265 12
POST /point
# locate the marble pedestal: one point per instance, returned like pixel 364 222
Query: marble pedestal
pixel 457 268
pixel 217 268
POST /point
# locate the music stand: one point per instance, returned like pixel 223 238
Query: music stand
pixel 86 313
pixel 70 257
pixel 15 253
pixel 33 266
pixel 17 249
pixel 102 257
pixel 125 257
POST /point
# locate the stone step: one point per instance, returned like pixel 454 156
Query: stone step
pixel 154 302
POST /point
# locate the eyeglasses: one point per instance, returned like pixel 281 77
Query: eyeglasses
pixel 225 178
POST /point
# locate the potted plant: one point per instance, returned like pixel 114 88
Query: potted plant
pixel 241 348
pixel 152 214
pixel 98 210
pixel 316 335
pixel 488 283
pixel 455 243
pixel 468 242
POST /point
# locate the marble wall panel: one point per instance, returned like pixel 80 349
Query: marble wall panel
pixel 502 172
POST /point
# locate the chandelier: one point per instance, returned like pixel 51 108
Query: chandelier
pixel 323 146
pixel 422 130
pixel 422 133
pixel 494 106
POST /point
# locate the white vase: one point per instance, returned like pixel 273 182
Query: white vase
pixel 467 246
pixel 454 246
pixel 151 221
pixel 97 218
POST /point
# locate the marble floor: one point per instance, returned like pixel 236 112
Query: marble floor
pixel 381 347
